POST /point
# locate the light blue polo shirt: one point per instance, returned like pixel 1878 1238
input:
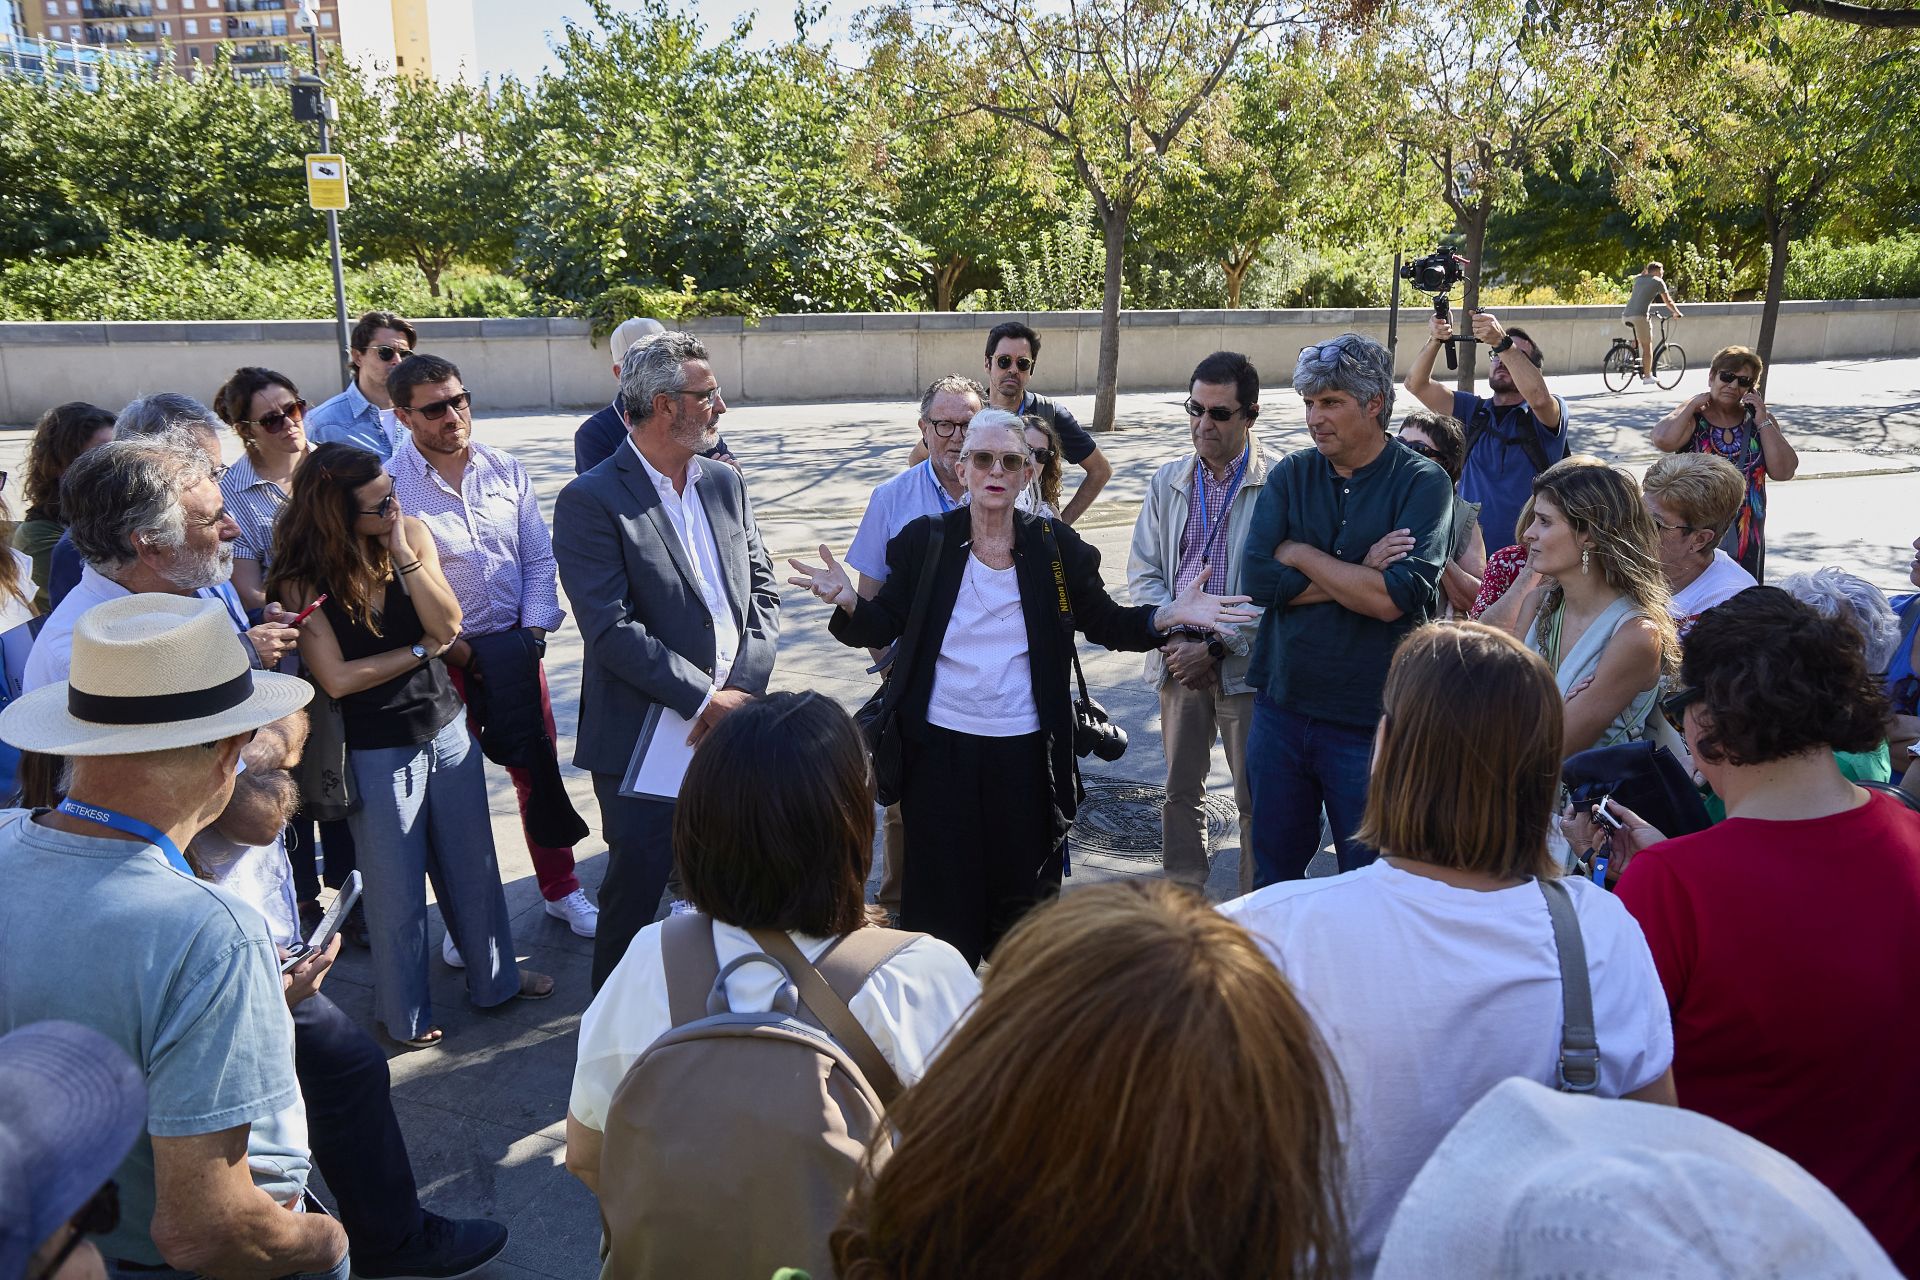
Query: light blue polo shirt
pixel 894 505
pixel 177 972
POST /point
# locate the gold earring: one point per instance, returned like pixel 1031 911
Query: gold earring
pixel 1586 554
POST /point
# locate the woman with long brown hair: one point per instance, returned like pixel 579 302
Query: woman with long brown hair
pixel 1138 1093
pixel 63 433
pixel 386 618
pixel 1043 495
pixel 1599 615
pixel 1434 972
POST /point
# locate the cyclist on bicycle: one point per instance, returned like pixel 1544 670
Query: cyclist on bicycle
pixel 1649 287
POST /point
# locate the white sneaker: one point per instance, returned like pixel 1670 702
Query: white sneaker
pixel 580 915
pixel 451 953
pixel 1646 377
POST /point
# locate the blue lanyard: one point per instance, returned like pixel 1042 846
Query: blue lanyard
pixel 946 503
pixel 1233 487
pixel 132 826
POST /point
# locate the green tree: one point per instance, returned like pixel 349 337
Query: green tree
pixel 1495 93
pixel 433 166
pixel 1112 84
pixel 662 157
pixel 1790 124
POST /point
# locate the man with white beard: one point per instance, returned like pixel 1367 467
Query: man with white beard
pixel 146 515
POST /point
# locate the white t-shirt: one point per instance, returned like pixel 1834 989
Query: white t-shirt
pixel 983 677
pixel 894 505
pixel 1721 581
pixel 1428 995
pixel 908 1006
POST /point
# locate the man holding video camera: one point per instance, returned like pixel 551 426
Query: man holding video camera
pixel 1512 435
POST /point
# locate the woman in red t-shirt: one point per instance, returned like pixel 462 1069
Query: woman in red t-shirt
pixel 1788 936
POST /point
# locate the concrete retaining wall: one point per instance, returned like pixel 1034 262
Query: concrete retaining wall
pixel 541 364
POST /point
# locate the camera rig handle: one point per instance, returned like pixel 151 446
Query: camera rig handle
pixel 1444 310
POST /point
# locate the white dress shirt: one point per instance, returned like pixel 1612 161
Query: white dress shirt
pixel 688 515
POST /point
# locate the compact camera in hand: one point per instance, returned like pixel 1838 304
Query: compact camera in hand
pixel 1095 733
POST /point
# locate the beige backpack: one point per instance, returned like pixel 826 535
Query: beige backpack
pixel 732 1142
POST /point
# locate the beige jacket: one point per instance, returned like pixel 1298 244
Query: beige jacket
pixel 1154 557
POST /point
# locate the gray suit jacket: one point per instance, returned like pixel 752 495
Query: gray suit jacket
pixel 649 637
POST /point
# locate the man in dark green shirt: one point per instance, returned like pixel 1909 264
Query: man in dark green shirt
pixel 1334 612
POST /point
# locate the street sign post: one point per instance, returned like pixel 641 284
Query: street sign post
pixel 327 182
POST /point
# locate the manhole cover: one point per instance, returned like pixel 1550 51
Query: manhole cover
pixel 1122 818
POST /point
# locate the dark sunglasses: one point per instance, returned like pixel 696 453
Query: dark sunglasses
pixel 1042 456
pixel 437 409
pixel 97 1216
pixel 276 422
pixel 1728 375
pixel 1420 447
pixel 391 355
pixel 1008 362
pixel 1674 705
pixel 1329 353
pixel 983 460
pixel 1197 410
pixel 384 508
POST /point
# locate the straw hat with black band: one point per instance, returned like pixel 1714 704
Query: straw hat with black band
pixel 151 672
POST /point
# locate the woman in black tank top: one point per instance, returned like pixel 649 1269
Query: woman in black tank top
pixel 375 645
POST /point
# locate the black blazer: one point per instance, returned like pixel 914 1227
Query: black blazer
pixel 880 621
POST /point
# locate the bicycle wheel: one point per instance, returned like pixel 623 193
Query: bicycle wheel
pixel 1619 368
pixel 1669 365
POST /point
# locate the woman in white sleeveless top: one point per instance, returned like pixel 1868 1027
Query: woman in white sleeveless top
pixel 1600 616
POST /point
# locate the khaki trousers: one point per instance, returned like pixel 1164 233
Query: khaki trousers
pixel 1189 721
pixel 1643 334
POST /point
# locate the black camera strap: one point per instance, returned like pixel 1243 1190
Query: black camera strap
pixel 1065 605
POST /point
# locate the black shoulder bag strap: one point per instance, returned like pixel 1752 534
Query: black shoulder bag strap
pixel 1481 421
pixel 1066 606
pixel 916 613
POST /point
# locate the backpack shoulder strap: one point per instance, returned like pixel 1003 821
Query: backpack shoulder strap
pixel 690 964
pixel 829 1007
pixel 909 640
pixel 1579 1047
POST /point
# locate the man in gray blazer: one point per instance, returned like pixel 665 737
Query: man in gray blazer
pixel 662 562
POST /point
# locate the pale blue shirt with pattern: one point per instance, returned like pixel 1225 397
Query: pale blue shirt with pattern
pixel 495 548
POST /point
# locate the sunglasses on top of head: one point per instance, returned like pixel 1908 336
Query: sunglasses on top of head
pixel 434 410
pixel 1021 363
pixel 277 421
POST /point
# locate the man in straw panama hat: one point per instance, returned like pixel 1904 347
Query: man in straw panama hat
pixel 106 925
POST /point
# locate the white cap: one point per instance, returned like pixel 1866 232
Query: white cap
pixel 1533 1183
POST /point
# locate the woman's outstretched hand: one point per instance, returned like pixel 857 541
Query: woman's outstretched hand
pixel 1195 608
pixel 827 581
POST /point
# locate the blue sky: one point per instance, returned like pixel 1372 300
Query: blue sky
pixel 512 35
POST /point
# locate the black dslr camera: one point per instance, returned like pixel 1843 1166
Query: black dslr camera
pixel 1094 732
pixel 1436 274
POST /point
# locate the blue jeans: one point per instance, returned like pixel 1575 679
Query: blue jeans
pixel 1295 766
pixel 423 815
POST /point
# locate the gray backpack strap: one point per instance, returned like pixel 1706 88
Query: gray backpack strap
pixel 687 955
pixel 1579 1047
pixel 823 1000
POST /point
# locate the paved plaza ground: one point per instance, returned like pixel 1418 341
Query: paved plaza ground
pixel 484 1112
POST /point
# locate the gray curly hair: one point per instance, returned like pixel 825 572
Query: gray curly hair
pixel 1834 593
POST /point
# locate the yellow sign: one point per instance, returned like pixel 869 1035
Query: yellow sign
pixel 327 182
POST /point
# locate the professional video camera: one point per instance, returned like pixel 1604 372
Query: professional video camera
pixel 1436 274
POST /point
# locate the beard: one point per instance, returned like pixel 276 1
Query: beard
pixel 192 573
pixel 695 435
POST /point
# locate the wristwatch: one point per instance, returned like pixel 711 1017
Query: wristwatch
pixel 1500 347
pixel 420 652
pixel 1216 650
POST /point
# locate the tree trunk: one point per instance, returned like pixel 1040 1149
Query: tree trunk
pixel 945 280
pixel 1236 279
pixel 1777 237
pixel 1113 221
pixel 1470 296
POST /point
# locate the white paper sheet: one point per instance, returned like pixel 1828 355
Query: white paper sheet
pixel 660 757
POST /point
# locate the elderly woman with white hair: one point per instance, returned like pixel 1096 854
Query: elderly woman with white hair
pixel 1835 593
pixel 1693 499
pixel 985 600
